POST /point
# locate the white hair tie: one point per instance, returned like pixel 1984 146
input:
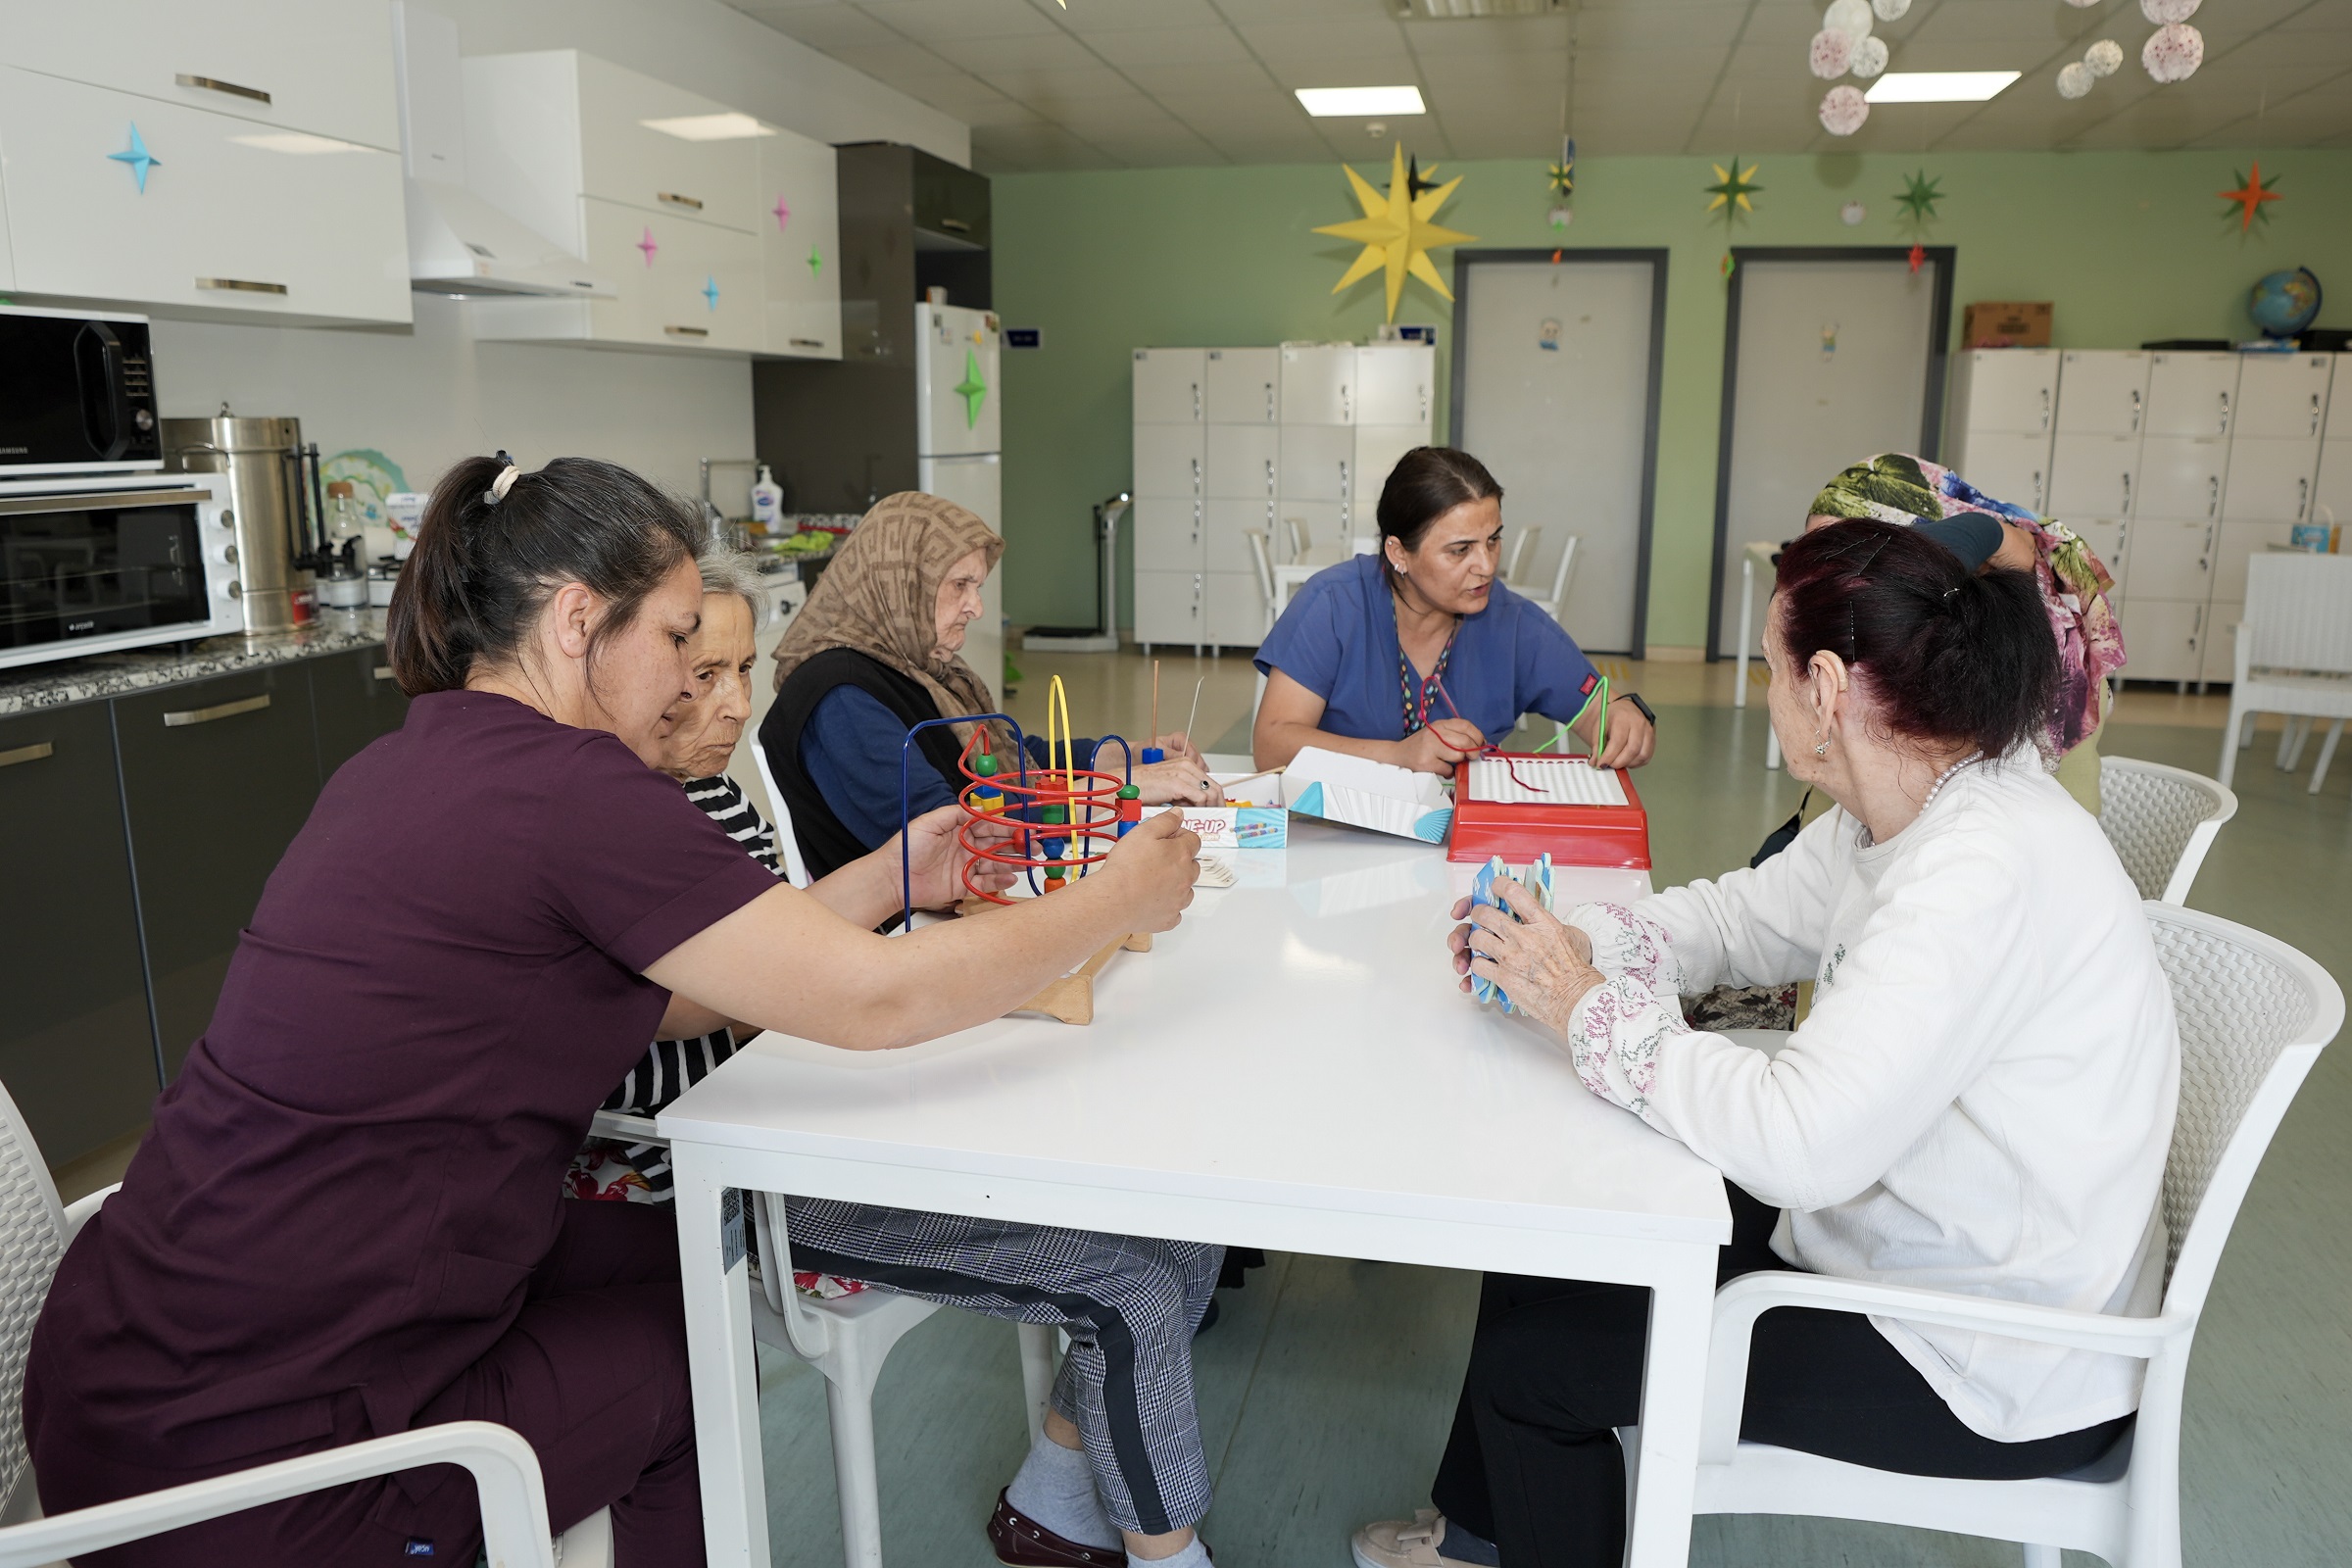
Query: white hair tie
pixel 504 481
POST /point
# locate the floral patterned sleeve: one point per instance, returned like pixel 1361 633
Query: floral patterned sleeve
pixel 1616 1035
pixel 1627 944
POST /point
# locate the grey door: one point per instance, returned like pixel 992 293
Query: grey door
pixel 76 1052
pixel 1555 390
pixel 1830 357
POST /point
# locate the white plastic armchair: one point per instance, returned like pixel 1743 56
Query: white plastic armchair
pixel 2254 1014
pixel 796 869
pixel 2161 821
pixel 1562 575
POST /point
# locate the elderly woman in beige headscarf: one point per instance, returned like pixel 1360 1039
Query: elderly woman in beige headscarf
pixel 876 650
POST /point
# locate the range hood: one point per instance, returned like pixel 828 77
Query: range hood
pixel 459 241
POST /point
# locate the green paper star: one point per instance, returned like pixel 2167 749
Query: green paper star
pixel 1919 196
pixel 1562 175
pixel 816 263
pixel 971 389
pixel 1733 187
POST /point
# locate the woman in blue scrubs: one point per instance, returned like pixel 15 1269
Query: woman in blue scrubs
pixel 1421 655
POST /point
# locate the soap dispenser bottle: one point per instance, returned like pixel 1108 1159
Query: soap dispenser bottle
pixel 767 499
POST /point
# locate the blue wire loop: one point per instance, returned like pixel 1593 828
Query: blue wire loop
pixel 1020 749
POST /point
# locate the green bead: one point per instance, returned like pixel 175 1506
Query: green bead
pixel 985 764
pixel 1128 792
pixel 1055 814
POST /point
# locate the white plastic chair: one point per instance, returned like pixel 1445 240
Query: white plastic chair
pixel 2254 1014
pixel 1557 606
pixel 847 1338
pixel 34 1231
pixel 2293 654
pixel 1262 561
pixel 1522 545
pixel 796 869
pixel 2161 821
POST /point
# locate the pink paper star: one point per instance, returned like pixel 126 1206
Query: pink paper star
pixel 648 246
pixel 783 213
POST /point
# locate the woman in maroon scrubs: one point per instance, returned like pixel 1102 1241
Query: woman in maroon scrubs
pixel 348 1219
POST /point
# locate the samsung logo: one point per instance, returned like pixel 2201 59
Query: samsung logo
pixel 14 452
pixel 72 626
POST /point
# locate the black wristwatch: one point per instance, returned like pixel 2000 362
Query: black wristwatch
pixel 1635 698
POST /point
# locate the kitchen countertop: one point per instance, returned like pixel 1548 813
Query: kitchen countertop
pixel 34 687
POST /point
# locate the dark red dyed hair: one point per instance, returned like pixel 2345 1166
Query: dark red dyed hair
pixel 1949 657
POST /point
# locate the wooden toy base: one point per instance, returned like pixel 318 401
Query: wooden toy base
pixel 1070 998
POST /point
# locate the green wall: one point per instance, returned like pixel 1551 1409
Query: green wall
pixel 2129 246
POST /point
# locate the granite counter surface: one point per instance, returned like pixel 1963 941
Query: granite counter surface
pixel 37 687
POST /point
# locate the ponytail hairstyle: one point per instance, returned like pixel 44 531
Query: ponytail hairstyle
pixel 497 543
pixel 1427 483
pixel 1949 657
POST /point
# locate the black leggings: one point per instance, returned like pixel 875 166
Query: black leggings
pixel 1534 1465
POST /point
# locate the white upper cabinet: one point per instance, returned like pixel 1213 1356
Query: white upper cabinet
pixel 544 129
pixel 2005 389
pixel 2105 392
pixel 323 66
pixel 119 198
pixel 1393 383
pixel 1243 386
pixel 799 246
pixel 1318 385
pixel 2192 393
pixel 2282 397
pixel 1168 385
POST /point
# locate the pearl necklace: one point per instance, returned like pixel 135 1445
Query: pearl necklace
pixel 1944 777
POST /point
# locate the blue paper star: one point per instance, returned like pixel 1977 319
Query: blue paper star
pixel 138 158
pixel 710 291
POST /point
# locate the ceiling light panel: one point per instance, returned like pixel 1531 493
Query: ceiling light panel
pixel 1469 9
pixel 708 128
pixel 1357 103
pixel 1938 87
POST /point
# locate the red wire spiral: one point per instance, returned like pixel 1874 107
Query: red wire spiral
pixel 1095 800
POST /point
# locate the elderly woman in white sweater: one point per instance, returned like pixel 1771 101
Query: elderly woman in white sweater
pixel 1980 1101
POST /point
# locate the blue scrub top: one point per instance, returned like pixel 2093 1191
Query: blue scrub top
pixel 1338 639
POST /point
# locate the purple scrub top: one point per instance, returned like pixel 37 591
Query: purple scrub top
pixel 1338 639
pixel 349 1184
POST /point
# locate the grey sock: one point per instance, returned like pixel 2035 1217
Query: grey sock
pixel 1463 1546
pixel 1056 1487
pixel 1194 1555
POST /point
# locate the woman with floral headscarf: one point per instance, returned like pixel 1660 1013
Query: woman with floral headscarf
pixel 1912 492
pixel 878 650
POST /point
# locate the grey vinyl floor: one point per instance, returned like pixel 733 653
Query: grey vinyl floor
pixel 1327 1388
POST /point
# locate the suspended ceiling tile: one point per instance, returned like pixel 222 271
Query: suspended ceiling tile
pixel 1044 87
pixel 1487 35
pixel 1003 112
pixel 1544 74
pixel 1100 119
pixel 1372 37
pixel 2324 15
pixel 1050 50
pixel 1248 111
pixel 1159 152
pixel 2029 28
pixel 2160 120
pixel 2302 122
pixel 1157 79
pixel 950 21
pixel 1002 150
pixel 1658 30
pixel 1091 17
pixel 1700 65
pixel 1170 46
pixel 828 27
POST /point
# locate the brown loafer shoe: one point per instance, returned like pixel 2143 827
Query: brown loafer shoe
pixel 1022 1542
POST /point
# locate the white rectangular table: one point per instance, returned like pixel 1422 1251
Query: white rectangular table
pixel 1290 1068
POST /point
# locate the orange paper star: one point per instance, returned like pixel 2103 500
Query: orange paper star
pixel 2250 195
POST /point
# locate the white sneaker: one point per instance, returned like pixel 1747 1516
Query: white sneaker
pixel 1403 1542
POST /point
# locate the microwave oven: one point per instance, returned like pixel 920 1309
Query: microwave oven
pixel 76 393
pixel 98 564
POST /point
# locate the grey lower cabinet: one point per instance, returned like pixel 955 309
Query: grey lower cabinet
pixel 217 778
pixel 354 700
pixel 76 1052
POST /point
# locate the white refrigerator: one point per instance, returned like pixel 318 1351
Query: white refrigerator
pixel 958 419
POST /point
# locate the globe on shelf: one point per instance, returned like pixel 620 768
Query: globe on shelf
pixel 2283 304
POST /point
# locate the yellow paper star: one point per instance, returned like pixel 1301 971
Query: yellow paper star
pixel 1395 232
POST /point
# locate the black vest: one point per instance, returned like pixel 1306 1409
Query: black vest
pixel 826 844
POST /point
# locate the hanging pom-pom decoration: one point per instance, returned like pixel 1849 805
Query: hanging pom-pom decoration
pixel 2104 58
pixel 1849 17
pixel 1890 10
pixel 1842 111
pixel 2073 79
pixel 2085 5
pixel 2172 52
pixel 1870 57
pixel 1831 53
pixel 2164 13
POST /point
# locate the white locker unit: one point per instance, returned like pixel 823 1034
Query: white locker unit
pixel 1241 386
pixel 2170 627
pixel 2278 430
pixel 2094 457
pixel 2332 499
pixel 1170 496
pixel 569 144
pixel 2003 416
pixel 1318 383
